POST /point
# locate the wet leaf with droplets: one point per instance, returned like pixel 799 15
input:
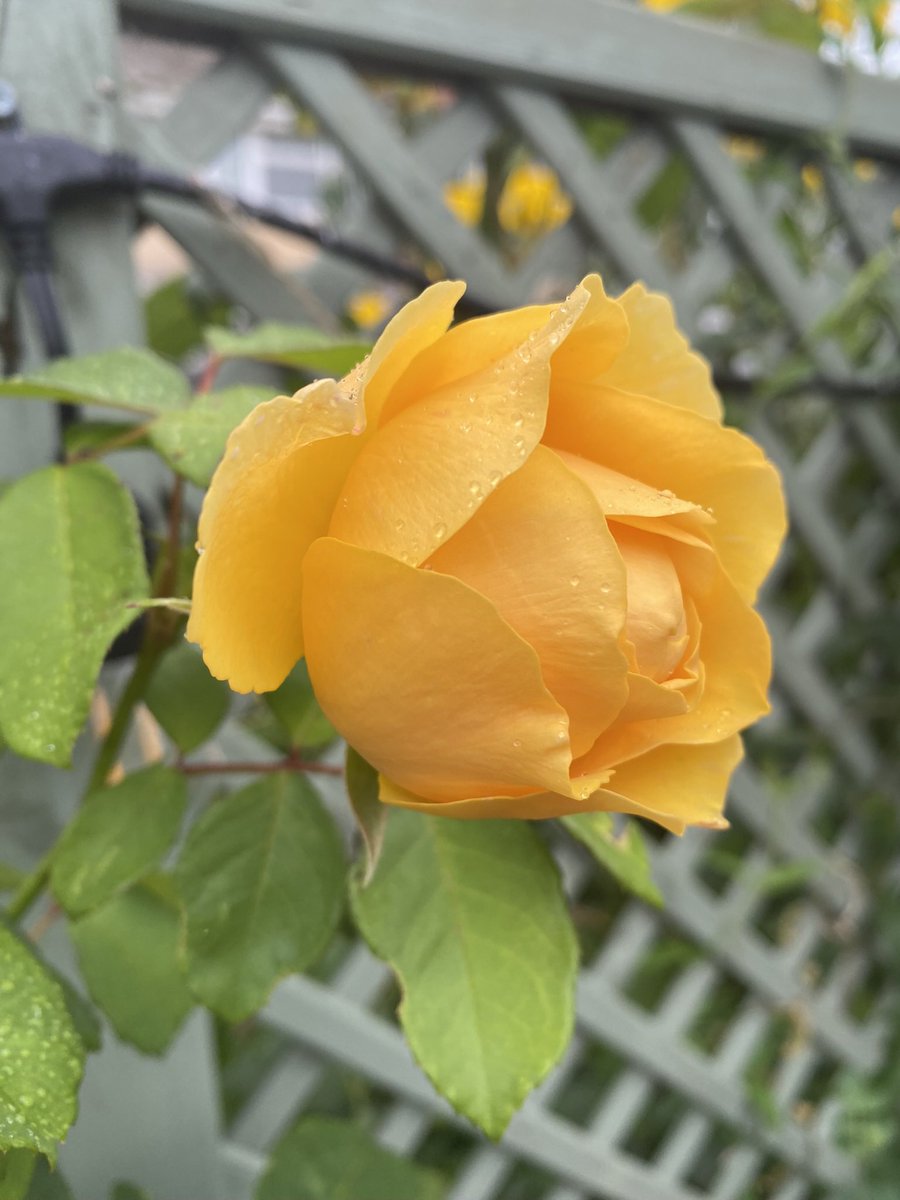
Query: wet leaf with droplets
pixel 41 1055
pixel 129 378
pixel 72 563
pixel 471 916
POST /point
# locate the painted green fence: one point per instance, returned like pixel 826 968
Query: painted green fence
pixel 711 1035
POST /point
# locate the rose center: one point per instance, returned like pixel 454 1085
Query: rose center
pixel 655 624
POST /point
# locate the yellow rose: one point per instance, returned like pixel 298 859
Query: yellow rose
pixel 519 556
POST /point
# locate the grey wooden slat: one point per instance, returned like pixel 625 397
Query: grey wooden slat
pixel 330 89
pixel 209 115
pixel 214 109
pixel 606 1014
pixel 731 191
pixel 620 53
pixel 599 209
pixel 309 1012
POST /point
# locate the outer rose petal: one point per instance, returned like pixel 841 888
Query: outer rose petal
pixel 658 361
pixel 680 451
pixel 539 549
pixel 270 498
pixel 675 785
pixel 416 326
pixel 593 344
pixel 425 472
pixel 426 680
pixel 534 806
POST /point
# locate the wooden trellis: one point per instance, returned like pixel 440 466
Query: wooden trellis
pixel 668 1108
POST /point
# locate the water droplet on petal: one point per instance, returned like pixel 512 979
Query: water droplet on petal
pixel 440 530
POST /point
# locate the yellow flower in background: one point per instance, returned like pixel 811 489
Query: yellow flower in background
pixel 744 149
pixel 465 198
pixel 367 309
pixel 865 170
pixel 519 556
pixel 812 178
pixel 532 202
pixel 836 16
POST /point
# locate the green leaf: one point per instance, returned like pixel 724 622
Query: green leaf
pixel 72 562
pixel 128 1191
pixel 84 1018
pixel 472 918
pixel 128 953
pixel 623 854
pixel 323 1158
pixel 290 346
pixel 192 440
pixel 188 703
pixel 176 316
pixel 296 707
pixel 16 1169
pixel 261 879
pixel 42 1055
pixel 129 378
pixel 47 1184
pixel 120 834
pixel 370 813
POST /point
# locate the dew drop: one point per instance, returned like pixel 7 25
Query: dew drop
pixel 494 478
pixel 575 581
pixel 440 530
pixel 517 743
pixel 475 489
pixel 605 588
pixel 398 525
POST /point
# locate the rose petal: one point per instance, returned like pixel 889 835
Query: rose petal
pixel 541 552
pixel 697 459
pixel 676 785
pixel 736 656
pixel 634 503
pixel 658 360
pixel 424 473
pixel 426 680
pixel 594 342
pixel 413 329
pixel 535 806
pixel 270 498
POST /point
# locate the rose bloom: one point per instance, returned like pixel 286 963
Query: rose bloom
pixel 519 557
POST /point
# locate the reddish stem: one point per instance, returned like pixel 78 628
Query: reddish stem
pixel 259 768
